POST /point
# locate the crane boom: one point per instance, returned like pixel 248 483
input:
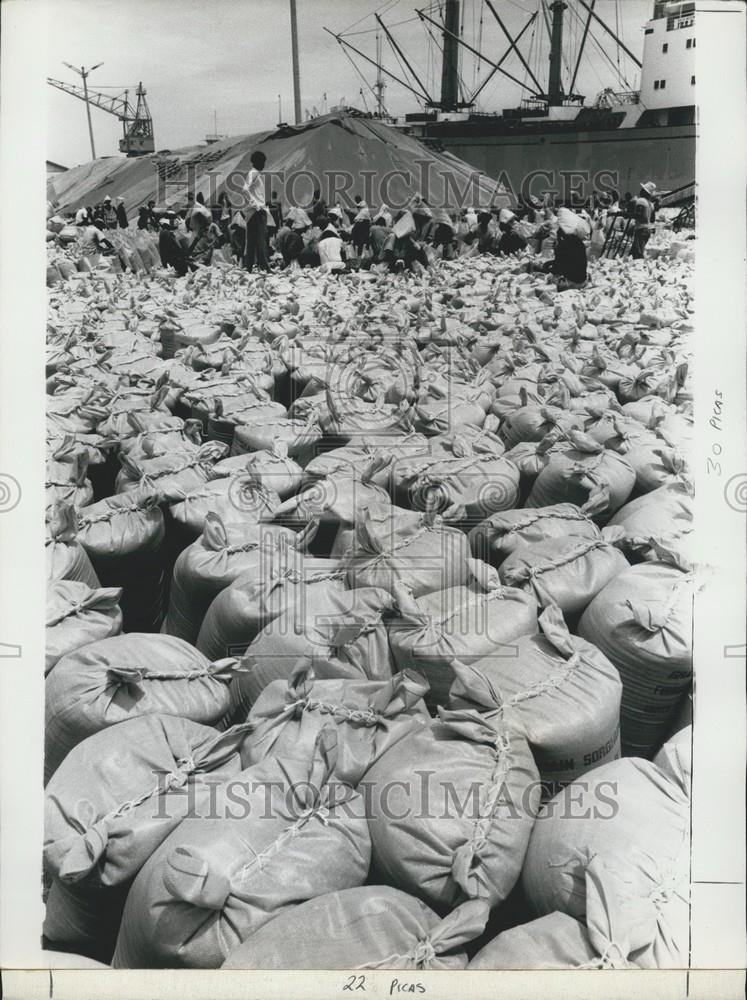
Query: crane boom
pixel 118 105
pixel 136 122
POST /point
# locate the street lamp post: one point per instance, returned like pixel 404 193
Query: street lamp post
pixel 83 73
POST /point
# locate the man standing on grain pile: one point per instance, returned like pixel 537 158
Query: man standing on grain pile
pixel 643 215
pixel 256 215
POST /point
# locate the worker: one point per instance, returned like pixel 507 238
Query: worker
pixel 377 237
pixel 511 241
pixel 92 243
pixel 443 235
pixel 172 255
pixel 289 241
pixel 361 229
pixel 569 263
pixel 121 214
pixel 237 234
pixel 642 212
pixel 318 208
pixel 331 251
pixel 152 219
pixel 256 215
pixel 81 216
pixel 109 214
pixel 143 218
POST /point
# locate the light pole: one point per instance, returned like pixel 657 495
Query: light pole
pixel 83 74
pixel 294 56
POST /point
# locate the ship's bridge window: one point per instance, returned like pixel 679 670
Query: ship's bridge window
pixel 665 47
pixel 692 80
pixel 690 43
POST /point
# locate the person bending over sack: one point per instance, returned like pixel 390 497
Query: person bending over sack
pixel 569 262
pixel 331 252
pixel 511 240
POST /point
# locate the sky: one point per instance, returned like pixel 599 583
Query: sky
pixel 233 58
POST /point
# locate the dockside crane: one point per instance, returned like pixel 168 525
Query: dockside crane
pixel 137 124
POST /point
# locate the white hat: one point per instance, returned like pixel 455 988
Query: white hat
pixel 107 198
pixel 649 187
pixel 505 216
pixel 164 222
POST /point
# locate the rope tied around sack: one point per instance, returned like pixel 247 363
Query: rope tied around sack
pixel 321 811
pixel 533 518
pixel 196 463
pixel 520 573
pixel 113 512
pixel 423 954
pixel 465 855
pixel 547 684
pixel 220 670
pixel 366 717
pixel 106 597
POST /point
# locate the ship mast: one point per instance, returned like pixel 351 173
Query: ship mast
pixel 450 65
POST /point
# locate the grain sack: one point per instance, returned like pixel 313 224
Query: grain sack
pixel 236 499
pixel 126 676
pixel 280 833
pixel 556 941
pixel 630 817
pixel 466 490
pixel 149 406
pixel 173 474
pixel 347 638
pixel 656 465
pixel 65 556
pixel 664 516
pixel 78 615
pixel 462 623
pixel 119 793
pixel 675 758
pixel 451 808
pixel 369 927
pixel 286 580
pixel 221 554
pixel 586 474
pixel 274 469
pixel 86 920
pixel 123 536
pixel 558 690
pixel 642 621
pixel 566 572
pixel 532 423
pixel 390 545
pixel 300 436
pixel 66 470
pixel 501 534
pixel 368 716
pixel 619 931
pixel 356 458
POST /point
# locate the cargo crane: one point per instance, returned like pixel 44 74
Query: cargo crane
pixel 137 124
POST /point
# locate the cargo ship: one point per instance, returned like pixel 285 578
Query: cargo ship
pixel 631 135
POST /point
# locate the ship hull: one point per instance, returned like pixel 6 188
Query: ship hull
pixel 664 154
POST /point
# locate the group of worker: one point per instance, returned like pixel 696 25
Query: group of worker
pixel 338 239
pixel 107 214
